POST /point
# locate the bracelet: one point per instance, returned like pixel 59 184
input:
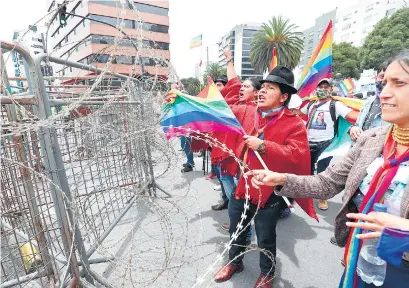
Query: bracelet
pixel 230 60
pixel 262 148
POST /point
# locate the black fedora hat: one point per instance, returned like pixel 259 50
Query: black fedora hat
pixel 283 76
pixel 222 78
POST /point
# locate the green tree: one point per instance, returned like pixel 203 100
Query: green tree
pixel 279 33
pixel 192 85
pixel 345 60
pixel 387 39
pixel 214 70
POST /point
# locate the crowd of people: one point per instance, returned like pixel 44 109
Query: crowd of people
pixel 375 170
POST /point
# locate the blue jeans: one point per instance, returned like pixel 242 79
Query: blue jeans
pixel 185 143
pixel 395 276
pixel 265 221
pixel 229 184
pixel 217 172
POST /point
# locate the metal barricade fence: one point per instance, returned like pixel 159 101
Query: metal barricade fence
pixel 66 185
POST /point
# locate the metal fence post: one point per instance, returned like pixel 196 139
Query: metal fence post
pixel 57 163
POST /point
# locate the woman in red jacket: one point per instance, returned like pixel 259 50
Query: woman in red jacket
pixel 281 139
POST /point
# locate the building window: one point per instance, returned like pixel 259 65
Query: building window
pixel 246 66
pixel 140 7
pixel 367 19
pixel 66 39
pixel 347 17
pixel 346 26
pixel 123 60
pixel 247 72
pixel 390 11
pixel 246 46
pixel 249 33
pixel 369 8
pixel 245 59
pixel 247 40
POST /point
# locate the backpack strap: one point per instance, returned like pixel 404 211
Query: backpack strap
pixel 333 116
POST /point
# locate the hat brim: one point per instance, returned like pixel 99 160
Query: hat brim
pixel 279 80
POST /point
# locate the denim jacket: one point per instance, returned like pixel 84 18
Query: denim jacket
pixel 378 122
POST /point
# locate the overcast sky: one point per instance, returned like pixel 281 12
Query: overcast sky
pixel 189 18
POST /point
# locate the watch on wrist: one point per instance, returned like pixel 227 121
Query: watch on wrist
pixel 230 61
pixel 349 129
pixel 262 148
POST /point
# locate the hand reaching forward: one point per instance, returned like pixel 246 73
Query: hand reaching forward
pixel 376 222
pixel 266 177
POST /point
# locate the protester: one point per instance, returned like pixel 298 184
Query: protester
pixel 375 170
pixel 281 139
pixel 235 93
pixel 370 114
pixel 322 125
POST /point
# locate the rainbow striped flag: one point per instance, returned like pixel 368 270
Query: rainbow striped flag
pixel 274 60
pixel 347 87
pixel 319 66
pixel 189 114
pixel 196 42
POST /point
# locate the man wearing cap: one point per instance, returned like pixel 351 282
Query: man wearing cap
pixel 280 138
pixel 322 125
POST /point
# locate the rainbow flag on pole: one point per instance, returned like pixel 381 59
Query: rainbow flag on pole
pixel 189 114
pixel 319 66
pixel 196 42
pixel 347 87
pixel 274 60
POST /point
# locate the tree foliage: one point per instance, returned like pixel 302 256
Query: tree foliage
pixel 345 60
pixel 214 70
pixel 192 85
pixel 387 39
pixel 279 33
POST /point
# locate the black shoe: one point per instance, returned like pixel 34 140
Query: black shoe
pixel 222 205
pixel 187 168
pixel 333 241
pixel 185 165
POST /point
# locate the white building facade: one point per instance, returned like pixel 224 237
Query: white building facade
pixel 354 23
pixel 31 40
pixel 238 40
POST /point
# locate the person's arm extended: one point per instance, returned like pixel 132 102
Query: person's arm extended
pixel 231 73
pixel 322 186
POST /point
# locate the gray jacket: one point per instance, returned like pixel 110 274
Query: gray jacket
pixel 346 175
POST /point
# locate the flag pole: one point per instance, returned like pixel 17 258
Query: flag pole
pixel 266 168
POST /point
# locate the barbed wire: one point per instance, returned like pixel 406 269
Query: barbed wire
pixel 155 243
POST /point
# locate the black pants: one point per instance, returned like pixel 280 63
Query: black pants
pixel 265 225
pixel 316 149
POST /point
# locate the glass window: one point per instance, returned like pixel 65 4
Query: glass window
pixel 369 7
pixel 102 58
pixel 123 60
pixel 390 11
pixel 247 72
pixel 246 53
pixel 246 66
pixel 245 59
pixel 246 46
pixel 153 27
pixel 247 40
pixel 151 9
pixel 346 26
pixel 347 17
pixel 249 33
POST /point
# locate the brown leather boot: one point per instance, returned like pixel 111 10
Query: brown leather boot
pixel 264 281
pixel 227 272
